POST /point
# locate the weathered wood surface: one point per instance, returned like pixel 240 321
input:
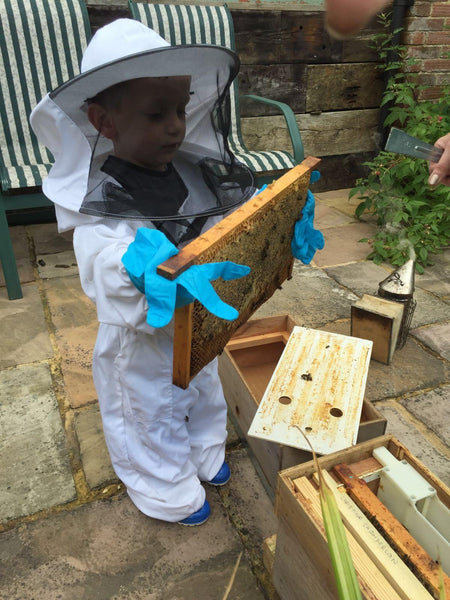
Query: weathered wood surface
pixel 297 522
pixel 278 45
pixel 377 319
pixel 282 82
pixel 272 37
pixel 372 581
pixel 343 87
pixel 311 88
pixel 294 558
pixel 302 548
pixel 327 134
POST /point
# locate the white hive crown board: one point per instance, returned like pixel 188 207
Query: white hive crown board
pixel 317 388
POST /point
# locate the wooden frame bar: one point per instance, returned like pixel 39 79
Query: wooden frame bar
pixel 362 511
pixel 397 535
pixel 259 235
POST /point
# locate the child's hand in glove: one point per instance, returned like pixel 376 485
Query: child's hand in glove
pixel 307 239
pixel 151 248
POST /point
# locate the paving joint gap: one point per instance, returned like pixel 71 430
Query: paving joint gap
pixel 108 492
pixel 254 555
pixel 65 410
pixel 428 433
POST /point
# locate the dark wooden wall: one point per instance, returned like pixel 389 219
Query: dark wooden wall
pixel 333 87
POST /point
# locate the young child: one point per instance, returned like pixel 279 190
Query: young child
pixel 141 168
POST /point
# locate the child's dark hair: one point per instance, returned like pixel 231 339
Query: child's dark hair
pixel 111 97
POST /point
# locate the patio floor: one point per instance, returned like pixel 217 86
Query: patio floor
pixel 67 528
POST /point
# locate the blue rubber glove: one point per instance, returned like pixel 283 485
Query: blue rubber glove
pixel 149 249
pixel 307 239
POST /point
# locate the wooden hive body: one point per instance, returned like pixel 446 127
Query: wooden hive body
pixel 389 562
pixel 246 367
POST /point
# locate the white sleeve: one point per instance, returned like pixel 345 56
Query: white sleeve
pixel 99 249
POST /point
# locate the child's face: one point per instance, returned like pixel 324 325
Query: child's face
pixel 149 123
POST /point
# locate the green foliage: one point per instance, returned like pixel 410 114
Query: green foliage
pixel 413 219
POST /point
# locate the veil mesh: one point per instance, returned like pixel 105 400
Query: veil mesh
pixel 204 180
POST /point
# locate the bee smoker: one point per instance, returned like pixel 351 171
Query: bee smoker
pixel 399 287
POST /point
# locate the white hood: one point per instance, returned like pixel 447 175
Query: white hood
pixel 123 50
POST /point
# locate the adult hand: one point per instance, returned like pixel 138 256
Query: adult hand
pixel 440 171
pixel 346 17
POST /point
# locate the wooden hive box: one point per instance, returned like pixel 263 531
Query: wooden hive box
pixel 259 235
pixel 379 320
pixel 389 563
pixel 246 367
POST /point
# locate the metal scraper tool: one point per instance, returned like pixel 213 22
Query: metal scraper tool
pixel 403 143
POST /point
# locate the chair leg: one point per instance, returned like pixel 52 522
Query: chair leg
pixel 8 260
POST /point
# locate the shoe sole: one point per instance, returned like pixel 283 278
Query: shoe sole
pixel 192 524
pixel 219 484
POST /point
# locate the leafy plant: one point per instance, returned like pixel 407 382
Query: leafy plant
pixel 413 219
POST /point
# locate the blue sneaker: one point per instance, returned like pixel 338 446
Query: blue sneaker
pixel 223 476
pixel 198 517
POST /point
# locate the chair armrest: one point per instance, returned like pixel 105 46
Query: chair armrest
pixel 291 122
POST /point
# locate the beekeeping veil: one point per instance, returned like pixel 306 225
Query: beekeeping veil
pixel 123 50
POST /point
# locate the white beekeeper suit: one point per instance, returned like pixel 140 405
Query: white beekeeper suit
pixel 163 441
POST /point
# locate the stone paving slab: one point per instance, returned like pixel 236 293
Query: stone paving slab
pixel 326 216
pixel 75 323
pixel 364 278
pixel 311 298
pixel 62 264
pixel 429 309
pixel 109 550
pixel 436 278
pixel 414 439
pixel 47 240
pixel 34 464
pixel 248 500
pixel 339 199
pixel 250 507
pixel 19 241
pixel 361 278
pixel 25 336
pixel 404 374
pixel 94 453
pixel 342 244
pixel 436 337
pixel 433 409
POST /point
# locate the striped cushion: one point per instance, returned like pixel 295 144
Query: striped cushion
pixel 188 24
pixel 41 44
pixel 26 176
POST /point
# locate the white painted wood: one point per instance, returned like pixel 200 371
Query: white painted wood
pixel 317 388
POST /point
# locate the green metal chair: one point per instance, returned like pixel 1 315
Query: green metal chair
pixel 41 44
pixel 195 24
